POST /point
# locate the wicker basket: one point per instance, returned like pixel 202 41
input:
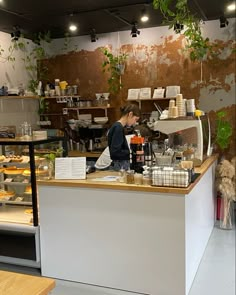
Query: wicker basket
pixel 168 176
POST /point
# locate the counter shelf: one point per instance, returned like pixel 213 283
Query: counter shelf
pixel 19 245
pixel 139 231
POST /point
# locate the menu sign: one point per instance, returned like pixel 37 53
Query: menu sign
pixel 70 168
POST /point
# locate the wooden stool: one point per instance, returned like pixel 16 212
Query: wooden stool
pixel 12 283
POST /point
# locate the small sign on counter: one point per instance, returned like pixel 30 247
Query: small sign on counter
pixel 70 168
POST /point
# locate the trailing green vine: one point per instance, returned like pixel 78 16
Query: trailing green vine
pixel 181 18
pixel 114 65
pixel 36 70
pixel 9 56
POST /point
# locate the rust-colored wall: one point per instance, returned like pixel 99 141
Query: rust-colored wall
pixel 150 66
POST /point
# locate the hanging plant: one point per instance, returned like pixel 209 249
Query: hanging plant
pixel 115 66
pixel 181 18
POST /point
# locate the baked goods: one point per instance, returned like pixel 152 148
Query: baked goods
pixel 2 169
pixel 2 158
pixel 28 190
pixel 29 211
pixel 16 159
pixel 13 170
pixel 26 172
pixel 4 194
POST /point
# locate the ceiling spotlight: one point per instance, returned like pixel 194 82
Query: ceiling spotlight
pixel 178 28
pixel 134 30
pixel 15 35
pixel 231 6
pixel 223 22
pixel 93 35
pixel 144 17
pixel 73 28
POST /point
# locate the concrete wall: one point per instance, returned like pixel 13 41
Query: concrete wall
pixel 13 73
pixel 15 111
pixel 155 58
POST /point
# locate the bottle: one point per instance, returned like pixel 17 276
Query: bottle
pixel 39 89
pixel 148 154
pixel 137 153
pixel 146 176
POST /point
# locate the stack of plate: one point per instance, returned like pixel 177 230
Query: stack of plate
pixel 100 120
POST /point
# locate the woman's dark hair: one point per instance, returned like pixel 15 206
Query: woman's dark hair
pixel 130 108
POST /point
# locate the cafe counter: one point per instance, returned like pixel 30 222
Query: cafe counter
pixel 137 238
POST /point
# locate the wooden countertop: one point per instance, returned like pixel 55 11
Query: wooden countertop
pixel 12 283
pixel 90 183
pixel 86 154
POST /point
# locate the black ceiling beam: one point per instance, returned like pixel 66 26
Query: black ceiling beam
pixel 15 13
pixel 203 15
pixel 118 17
pixel 76 12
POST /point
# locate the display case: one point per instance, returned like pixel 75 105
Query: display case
pixel 19 212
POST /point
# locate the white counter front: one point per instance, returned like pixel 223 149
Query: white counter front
pixel 146 242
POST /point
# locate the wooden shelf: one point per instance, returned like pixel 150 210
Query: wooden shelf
pixel 161 98
pixel 63 96
pixel 88 108
pixel 20 97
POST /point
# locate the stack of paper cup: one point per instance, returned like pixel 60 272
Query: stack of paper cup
pixel 180 105
pixel 190 105
pixel 171 108
pixel 175 112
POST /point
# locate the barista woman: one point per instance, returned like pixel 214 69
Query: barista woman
pixel 118 146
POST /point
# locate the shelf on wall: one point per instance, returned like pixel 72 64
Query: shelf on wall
pixel 88 108
pixel 77 109
pixel 20 97
pixel 152 99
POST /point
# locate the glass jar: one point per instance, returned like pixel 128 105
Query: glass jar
pixel 147 178
pixel 138 178
pixel 130 177
pixel 45 170
pixel 122 175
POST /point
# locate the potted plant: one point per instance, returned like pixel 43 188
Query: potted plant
pixel 224 171
pixel 115 66
pixel 223 131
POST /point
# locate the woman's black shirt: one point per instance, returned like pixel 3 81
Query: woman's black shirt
pixel 118 146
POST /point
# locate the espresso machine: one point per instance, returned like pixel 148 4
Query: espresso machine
pixel 195 131
pixel 94 137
